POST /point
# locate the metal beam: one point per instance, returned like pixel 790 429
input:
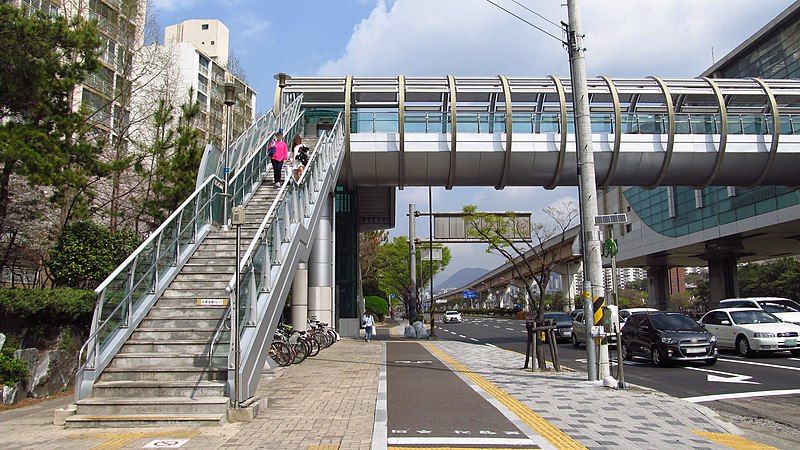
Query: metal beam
pixel 451 178
pixel 723 137
pixel 670 132
pixel 776 131
pixel 509 133
pixel 562 153
pixel 401 126
pixel 348 98
pixel 612 168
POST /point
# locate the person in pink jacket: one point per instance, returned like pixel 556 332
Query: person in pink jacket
pixel 279 151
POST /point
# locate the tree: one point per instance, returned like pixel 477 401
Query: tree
pixel 368 244
pixel 43 134
pixel 532 256
pixel 777 278
pixel 391 264
pixel 637 285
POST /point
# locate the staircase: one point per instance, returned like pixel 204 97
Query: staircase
pixel 161 375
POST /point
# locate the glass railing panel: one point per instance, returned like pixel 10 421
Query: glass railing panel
pixel 703 123
pixel 416 123
pixel 683 124
pixel 602 123
pixel 549 123
pixel 246 278
pixel 386 122
pixel 143 276
pixel 786 125
pixel 753 124
pixel 630 124
pixel 114 311
pixel 735 125
pixel 795 121
pixel 652 123
pixel 259 266
pixel 467 123
pixel 166 257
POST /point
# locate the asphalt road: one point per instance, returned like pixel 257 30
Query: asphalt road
pixel 754 383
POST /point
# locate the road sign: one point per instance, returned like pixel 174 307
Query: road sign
pixel 441 301
pixel 226 170
pixel 211 302
pixel 610 219
pixel 470 294
pixel 451 227
pixel 425 254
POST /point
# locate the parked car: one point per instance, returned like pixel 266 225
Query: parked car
pixel 750 330
pixel 783 308
pixel 575 312
pixel 579 331
pixel 452 317
pixel 563 324
pixel 662 337
pixel 624 314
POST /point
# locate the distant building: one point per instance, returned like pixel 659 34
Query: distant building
pixel 210 36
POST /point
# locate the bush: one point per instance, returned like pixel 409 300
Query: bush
pixel 21 308
pixel 86 253
pixel 12 371
pixel 377 305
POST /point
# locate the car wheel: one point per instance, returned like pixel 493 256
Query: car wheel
pixel 658 359
pixel 711 362
pixel 575 342
pixel 743 346
pixel 626 355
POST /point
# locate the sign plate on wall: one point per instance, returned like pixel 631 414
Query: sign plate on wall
pixel 211 302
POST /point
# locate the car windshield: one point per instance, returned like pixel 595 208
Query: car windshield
pixel 674 322
pixel 560 318
pixel 779 306
pixel 751 317
pixel 450 313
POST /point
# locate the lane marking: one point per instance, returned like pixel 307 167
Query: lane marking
pixel 539 425
pixel 380 430
pixel 462 336
pixel 732 440
pixel 733 395
pixel 753 363
pixel 510 329
pixel 459 441
pixel 496 326
pixel 491 345
pixel 729 378
pixel 473 339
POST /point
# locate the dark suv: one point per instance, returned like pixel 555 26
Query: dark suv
pixel 662 337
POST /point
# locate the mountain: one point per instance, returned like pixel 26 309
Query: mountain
pixel 461 277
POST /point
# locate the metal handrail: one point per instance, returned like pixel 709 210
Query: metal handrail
pixel 99 291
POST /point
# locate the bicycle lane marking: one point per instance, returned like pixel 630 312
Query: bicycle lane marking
pixel 545 434
pixel 439 418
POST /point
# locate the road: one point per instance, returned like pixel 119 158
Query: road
pixel 766 386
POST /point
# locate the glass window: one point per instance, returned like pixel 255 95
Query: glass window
pixel 779 306
pixel 752 317
pixel 676 322
pixel 204 26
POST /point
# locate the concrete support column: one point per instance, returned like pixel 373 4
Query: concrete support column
pixel 569 277
pixel 658 287
pixel 320 265
pixel 723 281
pixel 300 297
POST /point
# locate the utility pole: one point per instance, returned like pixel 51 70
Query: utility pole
pixel 593 264
pixel 412 261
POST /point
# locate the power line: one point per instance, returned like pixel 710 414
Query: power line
pixel 537 14
pixel 527 21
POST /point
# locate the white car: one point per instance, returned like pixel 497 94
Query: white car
pixel 783 308
pixel 749 330
pixel 452 317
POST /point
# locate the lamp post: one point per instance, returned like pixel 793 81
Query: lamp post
pixel 230 99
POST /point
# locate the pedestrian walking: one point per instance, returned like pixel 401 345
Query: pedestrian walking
pixel 368 322
pixel 295 161
pixel 278 152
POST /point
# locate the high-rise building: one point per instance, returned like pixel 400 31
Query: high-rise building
pixel 206 74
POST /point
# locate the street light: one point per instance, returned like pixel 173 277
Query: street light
pixel 229 100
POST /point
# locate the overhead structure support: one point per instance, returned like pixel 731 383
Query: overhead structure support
pixel 612 168
pixel 723 135
pixel 670 132
pixel 509 132
pixel 300 298
pixel 776 131
pixel 320 267
pixel 451 178
pixel 348 100
pixel 401 126
pixel 562 153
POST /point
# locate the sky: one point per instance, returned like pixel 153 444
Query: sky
pixel 624 38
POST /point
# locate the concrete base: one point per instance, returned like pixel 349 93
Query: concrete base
pixel 349 327
pixel 247 412
pixel 60 415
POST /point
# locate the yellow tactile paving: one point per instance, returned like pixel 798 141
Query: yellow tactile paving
pixel 114 439
pixel 536 422
pixel 451 448
pixel 733 441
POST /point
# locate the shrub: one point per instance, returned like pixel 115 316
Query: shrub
pixel 377 305
pixel 21 308
pixel 87 252
pixel 12 371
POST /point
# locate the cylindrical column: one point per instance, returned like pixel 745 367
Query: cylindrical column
pixel 300 298
pixel 320 267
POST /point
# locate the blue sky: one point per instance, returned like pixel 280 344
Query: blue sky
pixel 624 38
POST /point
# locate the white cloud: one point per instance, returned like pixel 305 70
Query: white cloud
pixel 173 5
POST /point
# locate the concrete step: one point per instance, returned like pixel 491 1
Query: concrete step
pixel 221 274
pixel 108 406
pixel 186 312
pixel 197 268
pixel 192 389
pixel 164 374
pixel 197 346
pixel 218 283
pixel 186 321
pixel 192 294
pixel 166 359
pixel 144 420
pixel 170 334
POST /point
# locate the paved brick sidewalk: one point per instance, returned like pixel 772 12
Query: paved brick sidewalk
pixel 596 417
pixel 327 402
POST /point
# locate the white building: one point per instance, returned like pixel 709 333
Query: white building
pixel 210 36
